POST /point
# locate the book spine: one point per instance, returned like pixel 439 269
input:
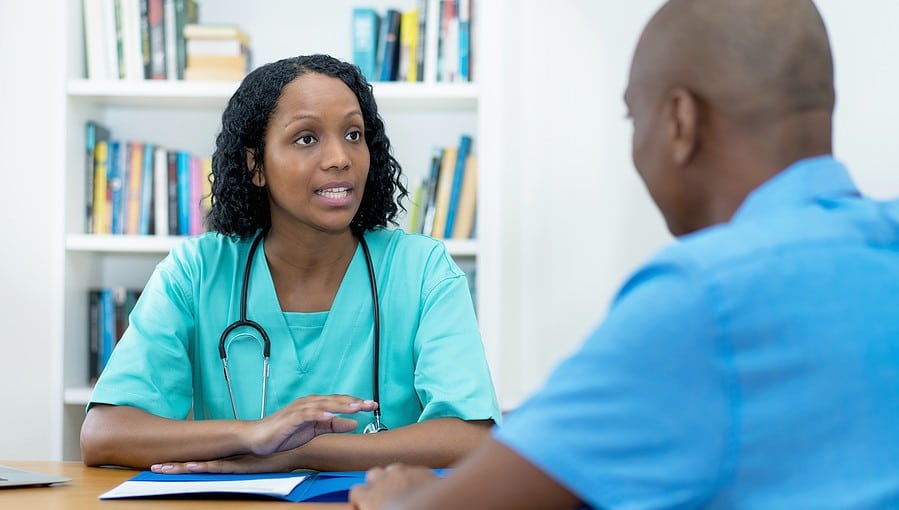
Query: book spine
pixel 464 40
pixel 146 195
pixel 90 145
pixel 107 327
pixel 174 202
pixel 465 212
pixel 160 192
pixel 422 43
pixel 444 187
pixel 390 56
pixel 183 193
pixel 366 25
pixel 196 191
pixel 101 172
pixel 432 42
pixel 133 187
pixel 433 178
pixel 463 151
pixel 144 24
pixel 93 336
pixel 171 37
pixel 114 186
pixel 157 42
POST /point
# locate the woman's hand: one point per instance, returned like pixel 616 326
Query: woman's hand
pixel 291 427
pixel 387 484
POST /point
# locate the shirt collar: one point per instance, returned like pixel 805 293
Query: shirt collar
pixel 804 181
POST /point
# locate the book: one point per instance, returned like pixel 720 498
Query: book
pixel 213 74
pixel 93 133
pixel 444 188
pixel 463 226
pixel 171 39
pixel 422 35
pixel 131 48
pixel 101 206
pixel 95 27
pixel 215 32
pixel 145 215
pixel 158 67
pixel 407 70
pixel 304 486
pixel 114 184
pixel 132 187
pixel 366 25
pixel 427 226
pixel 432 41
pixel 172 195
pixel 186 13
pixel 458 174
pixel 144 10
pixel 93 336
pixel 183 193
pixel 160 192
pixel 389 45
pixel 464 40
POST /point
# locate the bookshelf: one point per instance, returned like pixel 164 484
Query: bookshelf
pixel 185 115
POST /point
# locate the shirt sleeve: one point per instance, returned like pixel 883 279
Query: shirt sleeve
pixel 452 378
pixel 641 414
pixel 150 367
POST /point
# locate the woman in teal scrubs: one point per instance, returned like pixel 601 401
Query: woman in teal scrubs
pixel 303 161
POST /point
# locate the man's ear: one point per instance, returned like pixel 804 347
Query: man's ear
pixel 684 117
pixel 256 174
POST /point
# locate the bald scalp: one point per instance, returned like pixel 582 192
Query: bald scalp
pixel 751 60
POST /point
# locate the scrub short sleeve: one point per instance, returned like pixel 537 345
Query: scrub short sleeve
pixel 640 415
pixel 150 366
pixel 452 378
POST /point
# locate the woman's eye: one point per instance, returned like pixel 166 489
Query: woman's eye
pixel 305 140
pixel 354 136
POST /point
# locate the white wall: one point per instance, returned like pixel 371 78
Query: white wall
pixel 578 220
pixel 31 102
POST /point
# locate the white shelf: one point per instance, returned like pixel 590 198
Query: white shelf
pixel 105 243
pixel 172 93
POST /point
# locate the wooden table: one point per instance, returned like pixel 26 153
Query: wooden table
pixel 87 483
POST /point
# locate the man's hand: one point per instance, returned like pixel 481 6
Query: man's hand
pixel 388 484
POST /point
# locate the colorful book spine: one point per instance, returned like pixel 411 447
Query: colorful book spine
pixel 101 214
pixel 133 185
pixel 464 40
pixel 389 50
pixel 458 174
pixel 183 193
pixel 114 185
pixel 366 25
pixel 444 187
pixel 160 192
pixel 146 190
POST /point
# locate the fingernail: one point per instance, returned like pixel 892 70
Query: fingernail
pixel 326 414
pixel 355 405
pixel 369 402
pixel 166 467
pixel 191 465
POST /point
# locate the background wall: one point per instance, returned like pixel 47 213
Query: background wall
pixel 577 219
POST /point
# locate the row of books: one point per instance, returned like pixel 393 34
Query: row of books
pixel 429 43
pixel 445 202
pixel 108 310
pixel 136 39
pixel 139 188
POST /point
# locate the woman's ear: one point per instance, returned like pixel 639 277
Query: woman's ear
pixel 684 119
pixel 256 174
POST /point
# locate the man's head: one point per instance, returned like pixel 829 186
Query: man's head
pixel 723 95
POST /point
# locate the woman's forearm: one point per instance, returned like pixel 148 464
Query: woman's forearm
pixel 126 436
pixel 434 443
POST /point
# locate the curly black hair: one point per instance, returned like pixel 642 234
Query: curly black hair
pixel 239 207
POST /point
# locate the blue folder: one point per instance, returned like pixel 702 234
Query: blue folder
pixel 322 487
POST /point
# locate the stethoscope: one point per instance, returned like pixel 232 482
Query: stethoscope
pixel 375 425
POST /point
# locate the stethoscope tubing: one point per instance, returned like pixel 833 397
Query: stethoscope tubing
pixel 375 425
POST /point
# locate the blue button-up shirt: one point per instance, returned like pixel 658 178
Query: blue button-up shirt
pixel 753 364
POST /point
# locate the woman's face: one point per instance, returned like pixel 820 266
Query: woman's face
pixel 316 160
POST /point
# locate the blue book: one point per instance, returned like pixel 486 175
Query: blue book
pixel 146 197
pixel 389 45
pixel 183 193
pixel 322 487
pixel 366 25
pixel 461 156
pixel 107 327
pixel 464 39
pixel 115 179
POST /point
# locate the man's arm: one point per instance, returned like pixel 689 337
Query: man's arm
pixel 493 477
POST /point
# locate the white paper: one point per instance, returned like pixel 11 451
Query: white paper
pixel 275 487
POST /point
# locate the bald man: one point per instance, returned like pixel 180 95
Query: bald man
pixel 754 363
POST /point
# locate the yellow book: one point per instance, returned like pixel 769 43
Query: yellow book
pixel 134 187
pixel 444 189
pixel 101 204
pixel 467 200
pixel 409 46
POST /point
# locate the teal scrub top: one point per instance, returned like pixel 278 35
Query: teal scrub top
pixel 432 361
